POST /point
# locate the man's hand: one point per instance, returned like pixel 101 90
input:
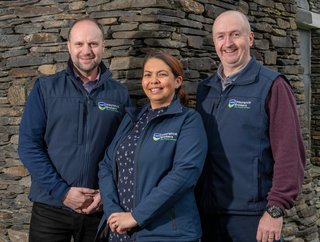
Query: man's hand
pixel 96 204
pixel 79 198
pixel 269 229
pixel 121 222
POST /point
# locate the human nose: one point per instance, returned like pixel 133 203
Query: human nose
pixel 154 79
pixel 228 40
pixel 86 49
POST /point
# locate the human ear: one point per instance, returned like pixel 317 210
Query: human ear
pixel 178 81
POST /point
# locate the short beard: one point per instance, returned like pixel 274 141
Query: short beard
pixel 86 70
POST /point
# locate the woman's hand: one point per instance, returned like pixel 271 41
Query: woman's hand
pixel 121 222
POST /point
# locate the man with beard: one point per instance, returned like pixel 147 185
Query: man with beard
pixel 69 120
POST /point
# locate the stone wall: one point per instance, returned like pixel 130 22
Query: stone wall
pixel 315 108
pixel 314 5
pixel 33 43
pixel 315 101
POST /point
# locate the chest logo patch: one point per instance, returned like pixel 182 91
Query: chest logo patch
pixel 108 107
pixel 165 136
pixel 233 103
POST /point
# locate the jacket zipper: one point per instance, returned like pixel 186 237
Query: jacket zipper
pixel 81 122
pixel 87 144
pixel 216 109
pixel 137 155
pixel 173 214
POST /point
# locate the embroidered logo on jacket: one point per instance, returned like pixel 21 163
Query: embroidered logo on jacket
pixel 165 136
pixel 108 107
pixel 233 103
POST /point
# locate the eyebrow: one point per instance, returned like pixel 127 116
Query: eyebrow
pixel 158 70
pixel 223 32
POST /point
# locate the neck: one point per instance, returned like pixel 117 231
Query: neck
pixel 158 105
pixel 86 77
pixel 234 69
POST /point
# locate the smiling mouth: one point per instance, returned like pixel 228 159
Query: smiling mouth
pixel 87 59
pixel 155 89
pixel 230 51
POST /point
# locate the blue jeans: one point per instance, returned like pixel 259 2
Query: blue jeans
pixel 52 224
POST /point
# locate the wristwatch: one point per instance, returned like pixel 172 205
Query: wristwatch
pixel 275 212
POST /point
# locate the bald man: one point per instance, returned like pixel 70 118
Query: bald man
pixel 255 162
pixel 69 120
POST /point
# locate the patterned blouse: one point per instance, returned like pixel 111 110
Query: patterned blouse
pixel 126 167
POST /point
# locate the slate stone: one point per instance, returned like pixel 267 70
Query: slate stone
pixel 33 42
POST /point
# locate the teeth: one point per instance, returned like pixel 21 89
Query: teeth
pixel 154 89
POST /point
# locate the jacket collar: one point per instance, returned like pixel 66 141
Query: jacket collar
pixel 174 108
pixel 248 75
pixel 105 74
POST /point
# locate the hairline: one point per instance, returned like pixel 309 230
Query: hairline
pixel 166 58
pixel 243 17
pixel 94 21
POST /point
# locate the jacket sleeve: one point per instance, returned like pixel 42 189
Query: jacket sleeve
pixel 287 146
pixel 32 147
pixel 188 161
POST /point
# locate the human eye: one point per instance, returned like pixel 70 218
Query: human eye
pixel 162 74
pixel 94 44
pixel 146 74
pixel 219 37
pixel 235 34
pixel 78 44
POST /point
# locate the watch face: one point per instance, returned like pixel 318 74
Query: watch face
pixel 275 212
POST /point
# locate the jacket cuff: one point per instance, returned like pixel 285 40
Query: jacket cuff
pixel 277 204
pixel 60 191
pixel 138 219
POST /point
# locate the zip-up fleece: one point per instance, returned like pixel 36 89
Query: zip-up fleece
pixel 168 161
pixel 64 132
pixel 239 167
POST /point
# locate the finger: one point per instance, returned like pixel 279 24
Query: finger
pixel 87 190
pixel 121 230
pixel 79 210
pixel 92 207
pixel 259 236
pixel 114 216
pixel 265 237
pixel 270 238
pixel 88 210
pixel 112 221
pixel 111 217
pixel 95 203
pixel 113 225
pixel 100 207
pixel 112 229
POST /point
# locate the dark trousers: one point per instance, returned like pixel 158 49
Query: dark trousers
pixel 52 224
pixel 229 228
